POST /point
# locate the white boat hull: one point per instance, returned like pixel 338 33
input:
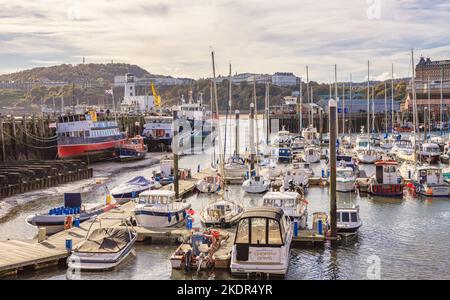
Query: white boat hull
pixel 345 186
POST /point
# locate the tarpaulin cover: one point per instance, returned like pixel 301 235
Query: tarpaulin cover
pixel 139 180
pixel 105 240
pixel 72 200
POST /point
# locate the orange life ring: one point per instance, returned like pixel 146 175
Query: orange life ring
pixel 68 222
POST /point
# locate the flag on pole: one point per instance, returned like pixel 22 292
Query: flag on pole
pixel 110 92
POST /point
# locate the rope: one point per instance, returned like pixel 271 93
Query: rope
pixel 30 146
pixel 36 137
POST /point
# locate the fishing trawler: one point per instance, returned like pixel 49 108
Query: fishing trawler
pixel 132 149
pixel 387 181
pixel 83 136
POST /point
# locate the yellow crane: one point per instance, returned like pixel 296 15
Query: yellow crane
pixel 156 97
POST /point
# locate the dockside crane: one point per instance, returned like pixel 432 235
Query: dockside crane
pixel 156 97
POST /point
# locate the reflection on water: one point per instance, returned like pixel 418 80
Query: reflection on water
pixel 410 236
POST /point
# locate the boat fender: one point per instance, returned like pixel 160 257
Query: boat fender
pixel 184 214
pixel 169 217
pixel 187 260
pixel 177 217
pixel 68 222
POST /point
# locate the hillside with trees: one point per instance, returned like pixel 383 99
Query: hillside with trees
pixel 86 83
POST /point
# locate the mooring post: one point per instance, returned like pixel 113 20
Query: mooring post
pixel 237 132
pixel 332 153
pixel 175 152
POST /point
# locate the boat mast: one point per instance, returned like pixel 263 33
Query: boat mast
pixel 385 108
pixel 307 91
pixel 368 98
pixel 429 105
pixel 415 117
pixel 351 98
pixel 267 113
pixel 343 108
pixel 221 167
pixel 211 101
pixel 373 109
pixel 441 102
pixel 300 109
pixel 392 98
pixel 251 141
pixel 336 98
pixel 256 114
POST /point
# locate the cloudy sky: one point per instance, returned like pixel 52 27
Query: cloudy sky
pixel 174 37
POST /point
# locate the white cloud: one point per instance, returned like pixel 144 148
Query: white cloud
pixel 255 35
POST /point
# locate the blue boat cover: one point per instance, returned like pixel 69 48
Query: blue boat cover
pixel 72 200
pixel 139 180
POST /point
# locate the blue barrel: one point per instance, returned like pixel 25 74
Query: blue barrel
pixel 189 223
pixel 76 222
pixel 296 228
pixel 69 245
pixel 323 173
pixel 320 227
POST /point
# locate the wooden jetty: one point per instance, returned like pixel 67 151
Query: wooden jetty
pixel 23 176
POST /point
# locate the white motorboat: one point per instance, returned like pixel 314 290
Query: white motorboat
pixel 430 153
pixel 60 218
pixel 364 153
pixel 209 184
pixel 403 149
pixel 297 176
pixel 386 182
pixel 311 154
pixel 345 179
pixel 294 205
pixel 103 248
pixel 262 242
pixel 131 189
pixel 198 253
pixel 348 220
pixel 221 213
pixel 235 167
pixel 159 208
pixel 283 138
pixel 311 135
pixel 429 181
pixel 270 169
pixel 256 185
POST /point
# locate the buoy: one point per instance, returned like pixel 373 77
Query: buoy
pixel 108 199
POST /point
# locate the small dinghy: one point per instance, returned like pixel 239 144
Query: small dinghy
pixel 131 189
pixel 198 253
pixel 209 184
pixel 348 220
pixel 60 218
pixel 132 149
pixel 221 213
pixel 103 248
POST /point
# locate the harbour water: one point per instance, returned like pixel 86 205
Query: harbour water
pixel 407 238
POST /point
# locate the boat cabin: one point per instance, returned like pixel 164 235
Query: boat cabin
pixel 431 148
pixel 348 220
pixel 156 197
pixel 262 242
pixel 386 172
pixel 429 174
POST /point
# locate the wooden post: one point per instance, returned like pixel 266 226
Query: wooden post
pixel 332 153
pixel 14 137
pixel 2 140
pixel 24 136
pixel 252 141
pixel 175 153
pixel 237 132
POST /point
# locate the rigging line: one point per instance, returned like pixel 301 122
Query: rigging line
pixel 35 136
pixel 27 145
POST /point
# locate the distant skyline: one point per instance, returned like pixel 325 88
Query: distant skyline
pixel 174 37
